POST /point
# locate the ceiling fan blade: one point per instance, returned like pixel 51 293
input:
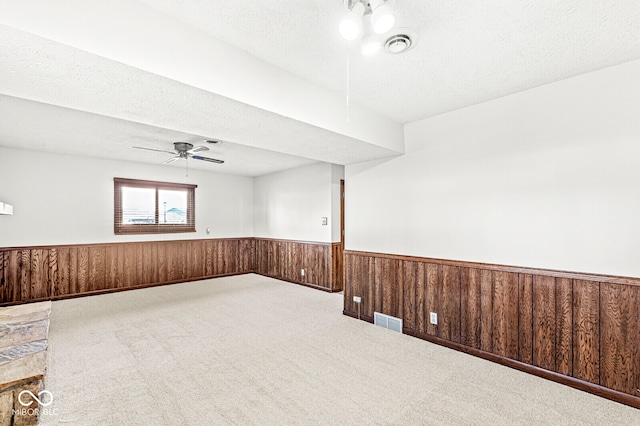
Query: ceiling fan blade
pixel 171 160
pixel 211 160
pixel 151 149
pixel 199 148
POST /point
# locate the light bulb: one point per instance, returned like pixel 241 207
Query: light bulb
pixel 349 30
pixel 371 45
pixel 351 25
pixel 383 19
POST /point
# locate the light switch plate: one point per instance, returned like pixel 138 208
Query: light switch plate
pixel 433 318
pixel 325 221
pixel 357 299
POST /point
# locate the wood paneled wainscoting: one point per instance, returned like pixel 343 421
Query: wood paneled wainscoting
pixel 285 260
pixel 29 274
pixel 581 330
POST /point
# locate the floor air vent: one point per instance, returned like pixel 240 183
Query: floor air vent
pixel 386 321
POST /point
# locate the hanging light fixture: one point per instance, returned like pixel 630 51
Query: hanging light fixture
pixel 373 21
pixel 351 25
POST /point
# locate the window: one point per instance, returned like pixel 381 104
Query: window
pixel 148 207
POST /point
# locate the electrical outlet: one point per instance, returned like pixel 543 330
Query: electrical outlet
pixel 302 272
pixel 357 299
pixel 433 318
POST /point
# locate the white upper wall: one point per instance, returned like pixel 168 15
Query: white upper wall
pixel 62 199
pixel 291 204
pixel 140 36
pixel 544 178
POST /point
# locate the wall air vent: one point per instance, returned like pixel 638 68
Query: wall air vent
pixel 387 321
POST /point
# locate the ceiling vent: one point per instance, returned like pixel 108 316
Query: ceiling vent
pixel 398 43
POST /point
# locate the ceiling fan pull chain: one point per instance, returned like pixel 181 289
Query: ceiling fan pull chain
pixel 348 81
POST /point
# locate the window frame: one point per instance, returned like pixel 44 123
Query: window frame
pixel 120 228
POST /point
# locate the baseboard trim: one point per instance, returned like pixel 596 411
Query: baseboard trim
pixel 598 390
pixel 314 286
pixel 365 318
pixel 119 289
pixel 139 287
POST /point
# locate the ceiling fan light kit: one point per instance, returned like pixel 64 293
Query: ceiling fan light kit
pixel 370 20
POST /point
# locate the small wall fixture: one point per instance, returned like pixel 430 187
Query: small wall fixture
pixel 6 209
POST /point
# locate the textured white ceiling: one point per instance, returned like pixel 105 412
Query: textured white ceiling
pixel 468 52
pixel 48 72
pixel 45 127
pixel 70 60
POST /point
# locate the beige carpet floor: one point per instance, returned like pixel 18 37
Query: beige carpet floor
pixel 251 350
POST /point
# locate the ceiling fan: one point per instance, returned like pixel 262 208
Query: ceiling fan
pixel 185 150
